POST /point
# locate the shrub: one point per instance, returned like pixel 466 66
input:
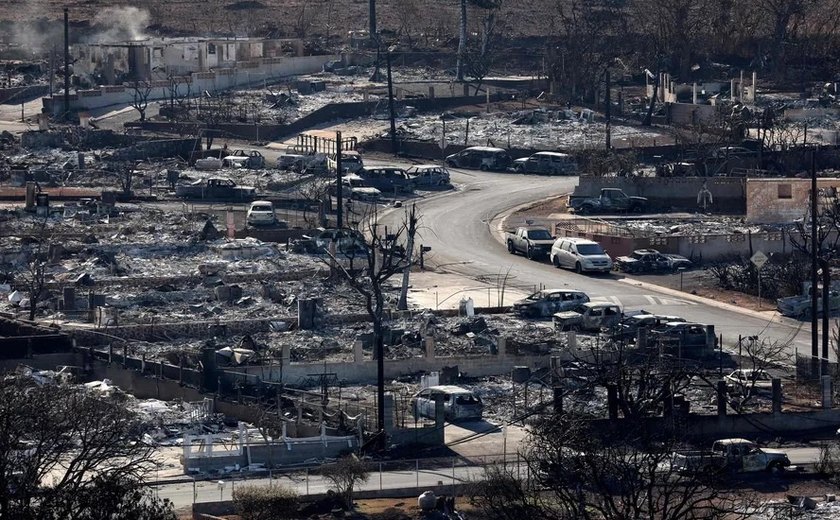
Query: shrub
pixel 266 503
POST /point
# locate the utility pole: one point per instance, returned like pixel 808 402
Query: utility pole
pixel 814 332
pixel 391 103
pixel 338 216
pixel 372 15
pixel 608 102
pixel 66 63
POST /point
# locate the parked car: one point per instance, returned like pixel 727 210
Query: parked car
pixel 351 162
pixel 387 179
pixel 548 301
pixel 252 159
pixel 428 175
pixel 261 213
pixel 732 455
pixel 580 254
pixel 550 163
pixel 216 188
pixel 533 242
pixel 480 158
pixel 630 325
pixel 685 339
pixel 291 162
pixel 355 187
pixel 748 381
pixel 610 200
pixel 651 261
pixel 459 404
pixel 588 316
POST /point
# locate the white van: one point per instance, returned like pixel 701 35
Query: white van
pixel 580 254
pixel 548 163
pixel 458 403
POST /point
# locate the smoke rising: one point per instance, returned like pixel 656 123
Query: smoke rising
pixel 114 24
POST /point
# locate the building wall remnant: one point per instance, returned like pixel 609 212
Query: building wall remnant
pixel 782 201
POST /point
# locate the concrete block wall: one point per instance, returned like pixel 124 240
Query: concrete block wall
pixel 222 79
pixel 779 201
pixel 364 370
pixel 729 193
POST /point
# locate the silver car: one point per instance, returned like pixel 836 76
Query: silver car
pixel 459 404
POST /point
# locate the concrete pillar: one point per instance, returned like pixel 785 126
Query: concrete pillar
pixel 612 401
pixel 755 88
pixel 286 355
pixel 388 426
pixel 571 339
pixel 558 400
pixel 732 89
pixel 358 352
pixel 741 88
pixel 431 92
pixel 81 158
pixel 721 398
pixel 825 385
pixel 694 93
pixel 429 343
pixel 440 412
pixel 30 195
pixel 69 298
pixel 299 409
pixel 466 89
pixel 777 395
pixel 306 314
pixel 501 346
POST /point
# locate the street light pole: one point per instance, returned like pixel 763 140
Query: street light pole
pixel 814 333
pixel 391 103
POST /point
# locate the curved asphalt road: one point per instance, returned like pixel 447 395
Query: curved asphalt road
pixel 461 227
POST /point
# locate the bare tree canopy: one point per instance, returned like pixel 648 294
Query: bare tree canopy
pixel 66 452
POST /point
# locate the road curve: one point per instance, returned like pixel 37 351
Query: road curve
pixel 459 227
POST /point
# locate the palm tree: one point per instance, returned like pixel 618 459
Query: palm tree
pixel 462 36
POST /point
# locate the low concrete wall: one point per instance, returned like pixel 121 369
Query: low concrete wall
pixel 729 193
pixel 697 248
pixel 222 79
pixel 212 510
pixel 17 95
pixel 751 426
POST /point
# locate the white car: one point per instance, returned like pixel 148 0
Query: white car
pixel 351 162
pixel 428 175
pixel 580 254
pixel 261 213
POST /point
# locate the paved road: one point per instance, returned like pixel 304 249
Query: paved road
pixel 185 494
pixel 460 228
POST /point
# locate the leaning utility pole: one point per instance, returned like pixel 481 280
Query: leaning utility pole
pixel 372 14
pixel 608 102
pixel 338 215
pixel 814 245
pixel 394 147
pixel 66 64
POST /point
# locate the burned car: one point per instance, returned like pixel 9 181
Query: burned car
pixel 651 261
pixel 544 303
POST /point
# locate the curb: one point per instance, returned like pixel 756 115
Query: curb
pixel 498 233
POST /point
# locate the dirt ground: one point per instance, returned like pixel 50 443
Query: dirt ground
pixel 765 491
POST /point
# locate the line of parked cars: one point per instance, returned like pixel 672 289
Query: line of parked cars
pixel 488 158
pixel 587 256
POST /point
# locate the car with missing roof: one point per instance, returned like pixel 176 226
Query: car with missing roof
pixel 651 261
pixel 425 175
pixel 590 316
pixel 544 303
pixel 480 158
